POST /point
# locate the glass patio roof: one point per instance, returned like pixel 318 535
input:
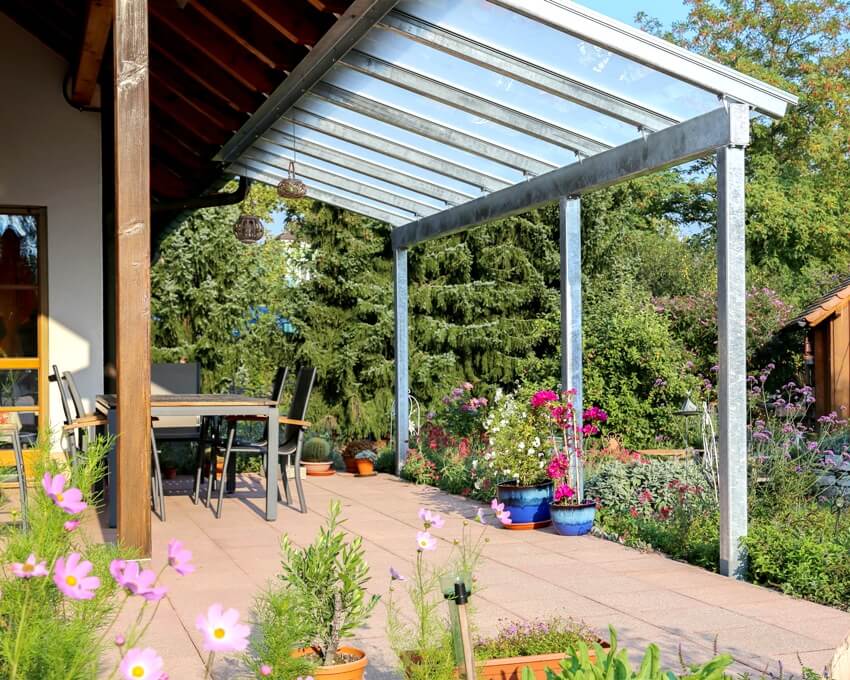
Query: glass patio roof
pixel 444 101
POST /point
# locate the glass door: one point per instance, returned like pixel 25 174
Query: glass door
pixel 23 321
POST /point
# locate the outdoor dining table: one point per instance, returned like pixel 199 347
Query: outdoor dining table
pixel 163 405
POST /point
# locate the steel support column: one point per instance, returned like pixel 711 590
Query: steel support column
pixel 402 407
pixel 571 328
pixel 732 377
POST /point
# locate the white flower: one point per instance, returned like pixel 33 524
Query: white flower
pixel 474 464
pixel 477 484
pixel 536 442
pixel 521 446
pixel 531 452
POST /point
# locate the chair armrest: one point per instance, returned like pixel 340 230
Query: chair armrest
pixel 283 420
pixel 86 421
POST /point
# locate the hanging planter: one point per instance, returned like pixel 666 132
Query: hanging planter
pixel 291 186
pixel 248 229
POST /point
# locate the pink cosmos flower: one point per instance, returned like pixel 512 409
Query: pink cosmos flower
pixel 29 569
pixel 180 558
pixel 265 670
pixel 119 640
pixel 141 664
pixel 564 492
pixel 71 524
pixel 425 541
pixel 504 516
pixel 222 630
pixel 543 397
pixel 70 500
pixel 72 578
pixel 431 519
pixel 395 576
pixel 136 581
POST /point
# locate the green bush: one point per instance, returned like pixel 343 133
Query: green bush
pixel 386 460
pixel 524 638
pixel 278 630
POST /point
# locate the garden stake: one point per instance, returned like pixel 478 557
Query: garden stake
pixel 461 598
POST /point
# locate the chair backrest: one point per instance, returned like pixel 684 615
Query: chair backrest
pixel 74 394
pixel 278 384
pixel 300 401
pixel 63 395
pixel 176 379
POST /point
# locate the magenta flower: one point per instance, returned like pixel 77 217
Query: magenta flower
pixel 71 524
pixel 136 581
pixel 72 578
pixel 425 541
pixel 141 664
pixel 29 569
pixel 504 516
pixel 431 519
pixel 180 558
pixel 395 576
pixel 543 397
pixel 564 492
pixel 265 670
pixel 70 500
pixel 119 640
pixel 222 630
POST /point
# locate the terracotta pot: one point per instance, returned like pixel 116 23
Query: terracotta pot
pixel 350 464
pixel 323 469
pixel 365 467
pixel 345 671
pixel 511 668
pixel 171 473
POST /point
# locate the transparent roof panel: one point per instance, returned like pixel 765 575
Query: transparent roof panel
pixel 410 139
pixel 563 53
pixel 396 49
pixel 441 113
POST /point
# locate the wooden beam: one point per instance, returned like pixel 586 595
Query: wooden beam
pixel 303 26
pixel 97 27
pixel 332 6
pixel 250 31
pixel 132 276
pixel 216 45
pixel 195 65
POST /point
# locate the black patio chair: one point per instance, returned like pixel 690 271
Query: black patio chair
pixel 291 442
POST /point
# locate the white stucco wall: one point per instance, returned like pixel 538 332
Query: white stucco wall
pixel 50 156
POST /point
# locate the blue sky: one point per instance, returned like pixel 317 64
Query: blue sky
pixel 625 10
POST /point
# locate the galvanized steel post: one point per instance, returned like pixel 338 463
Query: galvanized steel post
pixel 402 407
pixel 571 330
pixel 732 375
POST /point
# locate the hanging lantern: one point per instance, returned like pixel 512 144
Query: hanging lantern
pixel 291 186
pixel 248 229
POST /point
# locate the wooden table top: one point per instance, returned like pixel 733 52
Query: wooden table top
pixel 193 400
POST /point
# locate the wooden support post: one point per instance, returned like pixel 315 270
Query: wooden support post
pixel 132 276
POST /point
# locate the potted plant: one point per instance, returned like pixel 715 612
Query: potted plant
pixel 366 463
pixel 351 450
pixel 571 514
pixel 316 457
pixel 327 583
pixel 518 454
pixel 170 460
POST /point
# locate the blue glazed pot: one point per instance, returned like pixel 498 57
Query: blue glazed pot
pixel 528 505
pixel 573 520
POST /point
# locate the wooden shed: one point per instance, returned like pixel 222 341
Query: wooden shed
pixel 827 349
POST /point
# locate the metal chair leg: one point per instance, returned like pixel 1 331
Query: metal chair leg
pixel 285 479
pixel 296 465
pixel 231 435
pixel 199 460
pixel 159 499
pixel 22 479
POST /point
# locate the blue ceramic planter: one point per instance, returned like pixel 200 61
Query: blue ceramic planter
pixel 528 505
pixel 573 520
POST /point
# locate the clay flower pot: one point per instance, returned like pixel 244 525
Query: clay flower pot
pixel 350 464
pixel 365 467
pixel 323 469
pixel 528 505
pixel 353 670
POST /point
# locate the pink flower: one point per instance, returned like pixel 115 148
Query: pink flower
pixel 136 581
pixel 29 569
pixel 467 386
pixel 425 541
pixel 504 516
pixel 564 492
pixel 71 524
pixel 180 558
pixel 431 519
pixel 70 500
pixel 265 670
pixel 141 664
pixel 119 640
pixel 71 576
pixel 395 576
pixel 543 397
pixel 222 630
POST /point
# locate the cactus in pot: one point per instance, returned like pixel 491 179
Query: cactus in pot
pixel 316 456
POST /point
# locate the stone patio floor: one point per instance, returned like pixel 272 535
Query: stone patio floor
pixel 525 574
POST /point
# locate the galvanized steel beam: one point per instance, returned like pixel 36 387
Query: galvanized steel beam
pixel 360 16
pixel 402 385
pixel 321 195
pixel 306 170
pixel 476 104
pixel 732 359
pixel 673 145
pixel 395 149
pixel 653 52
pixel 427 128
pixel 567 87
pixel 369 168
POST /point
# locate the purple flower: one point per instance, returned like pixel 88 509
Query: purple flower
pixel 395 576
pixel 425 541
pixel 431 519
pixel 136 581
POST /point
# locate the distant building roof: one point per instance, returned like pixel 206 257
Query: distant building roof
pixel 825 305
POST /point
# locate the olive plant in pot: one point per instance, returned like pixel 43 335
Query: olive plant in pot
pixel 327 580
pixel 571 514
pixel 316 457
pixel 366 463
pixel 518 455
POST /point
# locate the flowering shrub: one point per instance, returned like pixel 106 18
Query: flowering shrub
pixel 462 413
pixel 419 469
pixel 543 636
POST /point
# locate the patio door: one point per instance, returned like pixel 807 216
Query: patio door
pixel 23 321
